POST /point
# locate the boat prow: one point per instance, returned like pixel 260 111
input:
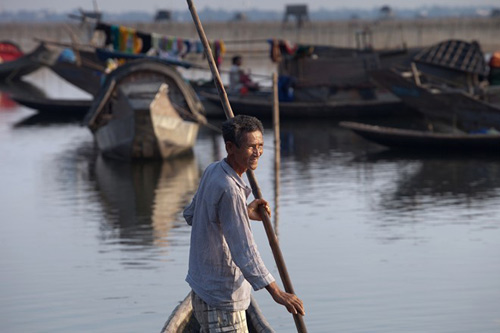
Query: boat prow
pixel 182 319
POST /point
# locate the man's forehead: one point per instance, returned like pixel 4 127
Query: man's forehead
pixel 255 137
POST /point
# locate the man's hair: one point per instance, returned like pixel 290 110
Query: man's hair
pixel 233 129
pixel 235 59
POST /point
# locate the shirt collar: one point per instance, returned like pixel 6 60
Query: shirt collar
pixel 238 180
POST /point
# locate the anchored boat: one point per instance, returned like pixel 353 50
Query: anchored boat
pixel 145 110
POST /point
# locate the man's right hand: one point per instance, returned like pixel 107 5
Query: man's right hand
pixel 292 303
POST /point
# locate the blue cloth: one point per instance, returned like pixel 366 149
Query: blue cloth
pixel 67 55
pixel 224 263
pixel 285 88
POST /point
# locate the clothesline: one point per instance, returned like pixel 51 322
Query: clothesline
pixel 130 40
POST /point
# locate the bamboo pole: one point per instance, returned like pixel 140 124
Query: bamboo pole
pixel 273 241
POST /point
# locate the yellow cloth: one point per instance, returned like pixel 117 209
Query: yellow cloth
pixel 129 42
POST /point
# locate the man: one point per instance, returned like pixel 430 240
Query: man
pixel 224 263
pixel 239 81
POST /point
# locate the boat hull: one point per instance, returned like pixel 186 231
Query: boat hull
pixel 182 319
pixel 261 107
pixel 454 107
pixel 424 140
pixel 143 136
pixel 28 63
pixel 55 107
pixel 145 110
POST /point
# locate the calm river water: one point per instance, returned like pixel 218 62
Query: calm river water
pixel 374 240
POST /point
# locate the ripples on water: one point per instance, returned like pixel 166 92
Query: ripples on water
pixel 374 240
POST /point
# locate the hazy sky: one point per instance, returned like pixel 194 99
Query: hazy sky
pixel 118 6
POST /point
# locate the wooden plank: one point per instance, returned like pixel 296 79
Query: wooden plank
pixel 468 55
pixel 458 52
pixel 447 54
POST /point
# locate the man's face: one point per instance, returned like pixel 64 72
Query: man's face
pixel 247 155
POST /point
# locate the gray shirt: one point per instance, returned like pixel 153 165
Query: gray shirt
pixel 224 263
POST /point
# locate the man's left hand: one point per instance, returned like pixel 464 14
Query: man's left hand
pixel 253 209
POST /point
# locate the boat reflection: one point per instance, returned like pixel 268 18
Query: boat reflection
pixel 417 178
pixel 142 201
pixel 429 178
pixel 309 139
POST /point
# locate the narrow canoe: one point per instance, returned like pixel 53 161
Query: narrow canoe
pixel 182 319
pixel 431 141
pixel 55 107
pixel 260 105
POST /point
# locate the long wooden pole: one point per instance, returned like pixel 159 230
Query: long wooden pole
pixel 273 241
pixel 277 150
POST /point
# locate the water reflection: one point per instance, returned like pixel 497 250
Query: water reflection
pixel 143 200
pixel 307 140
pixel 399 187
pixel 457 178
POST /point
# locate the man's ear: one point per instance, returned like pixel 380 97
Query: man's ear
pixel 230 147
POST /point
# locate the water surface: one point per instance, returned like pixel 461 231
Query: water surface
pixel 374 240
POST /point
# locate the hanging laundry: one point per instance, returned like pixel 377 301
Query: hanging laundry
pixel 126 39
pixel 146 42
pixel 129 42
pixel 115 36
pixel 275 52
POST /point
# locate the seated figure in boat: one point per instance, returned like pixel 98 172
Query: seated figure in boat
pixel 494 64
pixel 239 81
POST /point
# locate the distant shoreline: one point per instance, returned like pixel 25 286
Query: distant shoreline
pixel 385 34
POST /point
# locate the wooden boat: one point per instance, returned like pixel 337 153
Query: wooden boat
pixel 17 88
pixel 456 62
pixel 105 54
pixel 260 104
pixel 182 319
pixel 145 110
pixel 21 88
pixel 455 106
pixel 54 107
pixel 324 81
pixel 88 68
pixel 425 140
pixel 28 63
pixel 446 82
pixel 83 69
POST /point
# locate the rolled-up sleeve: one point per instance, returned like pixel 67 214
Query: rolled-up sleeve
pixel 235 224
pixel 188 212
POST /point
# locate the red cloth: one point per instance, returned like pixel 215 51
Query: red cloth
pixel 495 60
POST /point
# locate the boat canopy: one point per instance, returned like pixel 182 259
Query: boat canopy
pixel 456 55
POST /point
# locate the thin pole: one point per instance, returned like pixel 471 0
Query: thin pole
pixel 277 144
pixel 273 241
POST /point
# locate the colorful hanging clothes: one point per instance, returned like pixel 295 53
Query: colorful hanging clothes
pixel 115 37
pixel 275 53
pixel 130 40
pixel 282 48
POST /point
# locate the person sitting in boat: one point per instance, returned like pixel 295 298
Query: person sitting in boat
pixel 494 64
pixel 239 81
pixel 224 263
